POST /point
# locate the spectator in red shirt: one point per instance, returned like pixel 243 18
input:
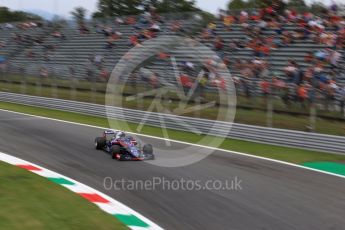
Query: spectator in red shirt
pixel 130 20
pixel 309 57
pixel 185 82
pixel 154 80
pixel 163 55
pixel 219 82
pixel 302 94
pixel 265 87
pixel 104 74
pixel 218 44
pixel 133 40
pixel 175 26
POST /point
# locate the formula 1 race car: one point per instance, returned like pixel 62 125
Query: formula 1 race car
pixel 122 147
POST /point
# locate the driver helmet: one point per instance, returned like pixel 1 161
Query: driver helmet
pixel 120 134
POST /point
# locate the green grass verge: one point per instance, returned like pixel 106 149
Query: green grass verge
pixel 331 167
pixel 292 155
pixel 29 201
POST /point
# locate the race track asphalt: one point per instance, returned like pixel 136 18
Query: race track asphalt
pixel 273 196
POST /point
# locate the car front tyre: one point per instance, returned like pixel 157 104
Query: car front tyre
pixel 100 142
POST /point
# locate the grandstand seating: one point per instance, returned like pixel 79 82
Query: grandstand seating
pixel 278 58
pixel 76 50
pixel 12 48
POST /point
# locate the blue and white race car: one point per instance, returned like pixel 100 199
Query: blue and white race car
pixel 123 147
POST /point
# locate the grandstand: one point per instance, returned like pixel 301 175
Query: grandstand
pixel 278 58
pixel 86 55
pixel 77 50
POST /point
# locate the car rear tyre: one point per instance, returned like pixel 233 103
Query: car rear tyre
pixel 100 142
pixel 115 152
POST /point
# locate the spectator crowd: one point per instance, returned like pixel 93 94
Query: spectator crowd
pixel 320 76
pixel 263 31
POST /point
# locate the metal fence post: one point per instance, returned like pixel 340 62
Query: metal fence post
pixel 313 117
